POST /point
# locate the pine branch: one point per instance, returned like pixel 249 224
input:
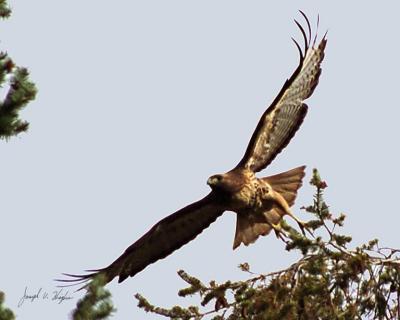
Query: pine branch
pixel 5 314
pixel 20 90
pixel 5 10
pixel 96 304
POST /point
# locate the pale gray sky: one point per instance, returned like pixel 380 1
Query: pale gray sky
pixel 140 101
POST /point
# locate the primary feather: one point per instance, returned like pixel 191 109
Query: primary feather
pixel 283 118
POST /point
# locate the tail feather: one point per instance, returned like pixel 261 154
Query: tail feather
pixel 248 229
pixel 287 183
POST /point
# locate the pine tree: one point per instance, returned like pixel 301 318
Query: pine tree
pixel 20 90
pixel 19 93
pixel 96 304
pixel 5 314
pixel 5 10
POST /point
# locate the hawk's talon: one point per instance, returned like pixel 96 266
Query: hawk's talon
pixel 280 234
pixel 303 226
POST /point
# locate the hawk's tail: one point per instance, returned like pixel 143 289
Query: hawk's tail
pixel 287 183
pixel 250 226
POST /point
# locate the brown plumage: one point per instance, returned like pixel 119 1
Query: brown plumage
pixel 260 203
pixel 252 223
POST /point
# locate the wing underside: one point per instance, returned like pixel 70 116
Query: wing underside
pixel 282 119
pixel 161 240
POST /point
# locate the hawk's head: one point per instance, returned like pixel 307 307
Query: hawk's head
pixel 227 182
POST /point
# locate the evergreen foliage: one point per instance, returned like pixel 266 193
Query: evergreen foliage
pixel 329 281
pixel 5 314
pixel 96 304
pixel 5 10
pixel 20 90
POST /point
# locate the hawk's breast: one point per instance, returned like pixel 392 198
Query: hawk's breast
pixel 246 197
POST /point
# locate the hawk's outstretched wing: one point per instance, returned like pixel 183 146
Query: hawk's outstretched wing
pixel 161 240
pixel 282 119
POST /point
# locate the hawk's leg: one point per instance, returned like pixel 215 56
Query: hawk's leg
pixel 301 223
pixel 281 202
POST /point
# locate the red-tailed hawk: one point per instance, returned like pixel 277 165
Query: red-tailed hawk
pixel 260 203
